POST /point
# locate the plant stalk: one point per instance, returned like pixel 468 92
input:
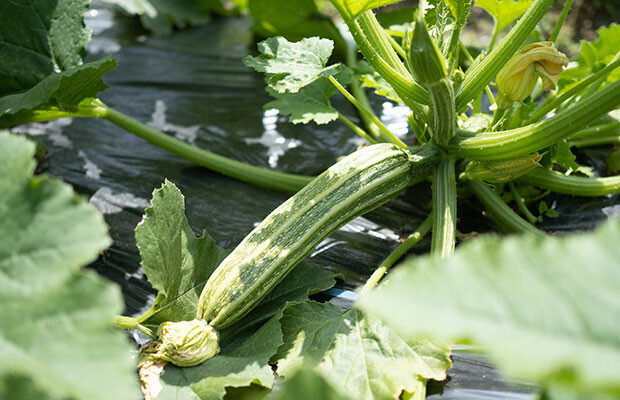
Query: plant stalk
pixel 123 322
pixel 410 92
pixel 500 212
pixel 517 142
pixel 560 23
pixel 573 185
pixel 521 204
pixel 398 252
pixel 235 169
pixel 444 209
pixel 360 95
pixel 368 113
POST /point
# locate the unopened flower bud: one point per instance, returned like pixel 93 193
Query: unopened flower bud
pixel 501 171
pixel 427 63
pixel 517 78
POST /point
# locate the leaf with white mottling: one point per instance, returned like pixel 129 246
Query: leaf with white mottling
pixel 292 65
pixel 312 102
pixel 356 353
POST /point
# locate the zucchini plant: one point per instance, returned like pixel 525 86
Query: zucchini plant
pixel 222 322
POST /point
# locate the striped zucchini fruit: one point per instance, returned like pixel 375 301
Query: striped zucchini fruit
pixel 355 185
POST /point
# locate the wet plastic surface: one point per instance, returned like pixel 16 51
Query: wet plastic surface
pixel 194 86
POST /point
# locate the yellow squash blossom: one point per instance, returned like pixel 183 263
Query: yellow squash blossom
pixel 518 77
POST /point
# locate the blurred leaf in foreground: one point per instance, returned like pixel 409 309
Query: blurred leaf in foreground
pixel 56 336
pixel 545 310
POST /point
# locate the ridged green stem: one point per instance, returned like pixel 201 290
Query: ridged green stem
pixel 573 185
pixel 596 135
pixel 357 129
pixel 381 41
pixel 409 91
pixel 481 74
pixel 521 204
pixel 494 35
pixel 360 94
pixel 500 212
pixel 595 141
pixel 516 142
pixel 455 39
pixel 560 23
pixel 444 209
pixel 397 253
pixel 367 112
pixel 235 169
pixel 444 114
pixel 124 322
pixel 470 58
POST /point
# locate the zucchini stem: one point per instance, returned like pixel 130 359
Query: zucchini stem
pixel 124 322
pixel 573 185
pixel 521 204
pixel 356 129
pixel 397 253
pixel 560 23
pixel 360 94
pixel 444 208
pixel 517 142
pixel 500 212
pixel 226 166
pixel 368 113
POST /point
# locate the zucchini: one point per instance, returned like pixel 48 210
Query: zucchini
pixel 357 184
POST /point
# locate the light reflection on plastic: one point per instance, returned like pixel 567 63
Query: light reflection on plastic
pixel 276 144
pixel 394 117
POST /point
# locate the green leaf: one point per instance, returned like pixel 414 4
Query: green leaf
pixel 173 259
pixel 311 102
pixel 243 360
pixel 359 355
pixel 38 38
pixel 504 11
pixel 562 155
pixel 350 9
pixel 293 19
pixel 55 336
pixel 178 264
pixel 459 9
pixel 290 66
pixel 594 56
pixel 307 384
pixel 162 16
pixel 63 91
pixel 545 310
pixel 371 79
